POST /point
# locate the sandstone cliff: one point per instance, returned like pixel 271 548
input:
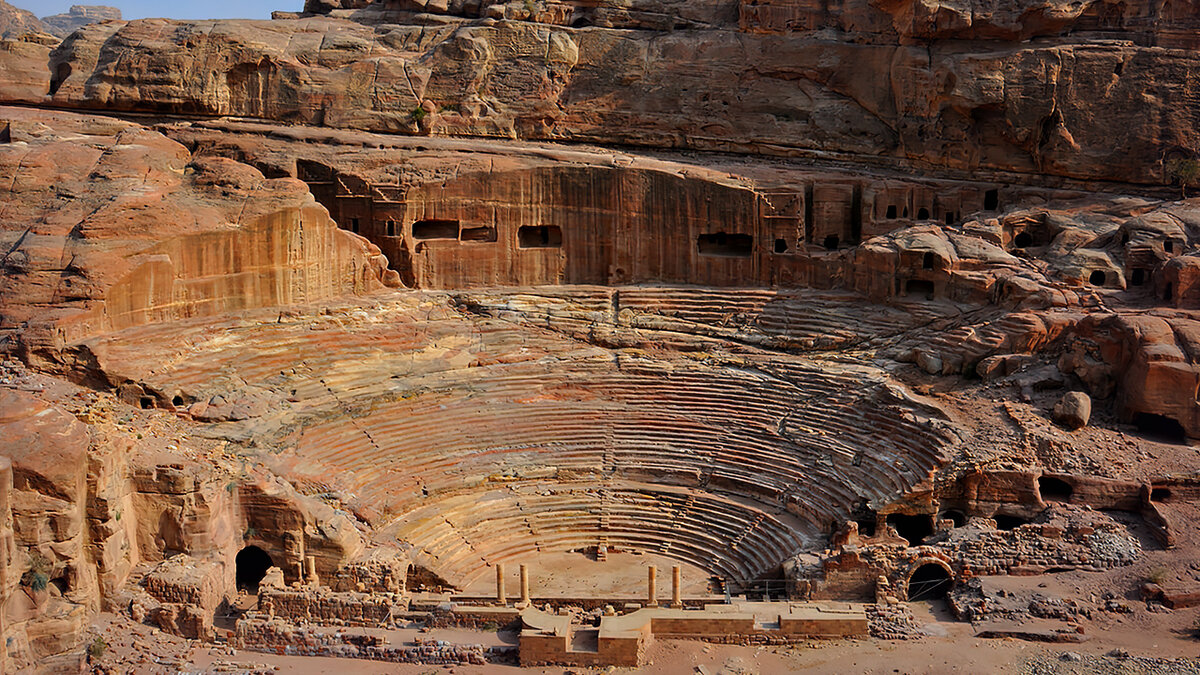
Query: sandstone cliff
pixel 15 22
pixel 110 224
pixel 1107 110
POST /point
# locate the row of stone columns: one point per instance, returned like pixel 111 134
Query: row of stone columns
pixel 501 597
pixel 651 586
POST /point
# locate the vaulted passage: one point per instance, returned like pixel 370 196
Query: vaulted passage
pixel 929 582
pixel 252 564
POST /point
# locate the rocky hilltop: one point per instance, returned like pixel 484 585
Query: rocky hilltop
pixel 1112 103
pixel 15 22
pixel 78 17
pixel 317 328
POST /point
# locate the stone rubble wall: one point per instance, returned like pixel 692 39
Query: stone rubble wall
pixel 278 637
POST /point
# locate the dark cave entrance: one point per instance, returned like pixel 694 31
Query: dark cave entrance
pixel 1160 428
pixel 1006 522
pixel 61 73
pixel 540 236
pixel 1054 489
pixel 955 516
pixel 726 245
pixel 914 529
pixel 252 564
pixel 431 229
pixel 929 582
pixel 919 287
pixel 991 200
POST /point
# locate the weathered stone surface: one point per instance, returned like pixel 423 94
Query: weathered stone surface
pixel 15 22
pixel 713 358
pixel 715 89
pixel 1073 410
pixel 144 234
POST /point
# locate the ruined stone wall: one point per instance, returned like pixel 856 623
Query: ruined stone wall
pixel 319 604
pixel 278 636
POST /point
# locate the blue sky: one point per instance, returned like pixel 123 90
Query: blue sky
pixel 141 9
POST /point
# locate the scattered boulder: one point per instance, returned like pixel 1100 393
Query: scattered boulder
pixel 1073 410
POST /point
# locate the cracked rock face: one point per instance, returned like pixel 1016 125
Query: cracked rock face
pixel 1096 111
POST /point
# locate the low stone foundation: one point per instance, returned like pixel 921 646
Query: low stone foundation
pixel 276 636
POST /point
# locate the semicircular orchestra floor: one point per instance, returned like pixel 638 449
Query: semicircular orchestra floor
pixel 473 438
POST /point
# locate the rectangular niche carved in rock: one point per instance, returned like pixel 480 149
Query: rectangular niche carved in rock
pixel 435 229
pixel 539 236
pixel 726 245
pixel 485 233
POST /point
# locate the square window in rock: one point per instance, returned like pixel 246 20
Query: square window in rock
pixel 540 236
pixel 725 245
pixel 484 234
pixel 435 229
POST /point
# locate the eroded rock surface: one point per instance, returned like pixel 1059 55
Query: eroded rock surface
pixel 326 319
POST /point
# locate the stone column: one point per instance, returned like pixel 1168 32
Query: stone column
pixel 501 599
pixel 311 566
pixel 652 586
pixel 524 585
pixel 676 587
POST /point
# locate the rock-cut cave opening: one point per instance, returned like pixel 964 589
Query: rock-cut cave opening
pixel 1054 489
pixel 1160 428
pixel 913 528
pixel 252 564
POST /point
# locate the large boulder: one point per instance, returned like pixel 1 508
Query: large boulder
pixel 1073 410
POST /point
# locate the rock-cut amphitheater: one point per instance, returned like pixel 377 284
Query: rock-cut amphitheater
pixel 669 336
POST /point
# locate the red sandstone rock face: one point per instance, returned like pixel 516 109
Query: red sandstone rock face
pixel 109 224
pixel 946 105
pixel 49 587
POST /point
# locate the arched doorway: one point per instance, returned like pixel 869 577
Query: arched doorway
pixel 930 581
pixel 252 564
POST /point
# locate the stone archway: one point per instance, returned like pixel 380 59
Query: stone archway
pixel 929 579
pixel 252 564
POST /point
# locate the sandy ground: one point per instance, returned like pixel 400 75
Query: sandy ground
pixel 948 647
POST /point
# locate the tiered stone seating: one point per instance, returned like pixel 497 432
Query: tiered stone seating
pixel 479 440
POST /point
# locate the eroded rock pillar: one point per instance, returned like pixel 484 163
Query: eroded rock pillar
pixel 501 598
pixel 310 564
pixel 676 587
pixel 652 586
pixel 524 585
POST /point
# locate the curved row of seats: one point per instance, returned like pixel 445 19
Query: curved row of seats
pixel 414 414
pixel 465 534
